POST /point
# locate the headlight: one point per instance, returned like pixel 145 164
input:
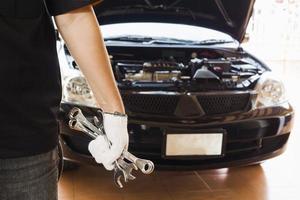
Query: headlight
pixel 77 91
pixel 271 91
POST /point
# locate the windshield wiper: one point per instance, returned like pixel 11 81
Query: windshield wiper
pixel 129 39
pixel 189 42
pixel 148 40
pixel 211 42
pixel 169 41
pixel 164 40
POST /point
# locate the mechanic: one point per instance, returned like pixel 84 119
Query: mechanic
pixel 31 92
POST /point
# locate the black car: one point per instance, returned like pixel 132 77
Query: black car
pixel 195 98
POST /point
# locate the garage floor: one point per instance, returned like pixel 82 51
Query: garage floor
pixel 275 179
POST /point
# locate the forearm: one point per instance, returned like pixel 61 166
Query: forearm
pixel 81 32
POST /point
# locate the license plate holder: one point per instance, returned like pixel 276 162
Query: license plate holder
pixel 200 144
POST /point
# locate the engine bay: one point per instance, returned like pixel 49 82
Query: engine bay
pixel 177 68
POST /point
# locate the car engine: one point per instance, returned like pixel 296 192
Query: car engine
pixel 210 69
pixel 149 71
pixel 224 72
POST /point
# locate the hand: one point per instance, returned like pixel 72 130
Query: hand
pixel 115 127
pixel 98 147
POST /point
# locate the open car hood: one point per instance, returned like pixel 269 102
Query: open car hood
pixel 228 16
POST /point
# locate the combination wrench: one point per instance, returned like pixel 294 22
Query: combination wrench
pixel 119 172
pixel 146 166
pixel 122 168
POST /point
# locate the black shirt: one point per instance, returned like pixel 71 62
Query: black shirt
pixel 30 86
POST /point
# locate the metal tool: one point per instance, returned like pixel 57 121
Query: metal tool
pixel 146 166
pixel 80 123
pixel 76 114
pixel 74 124
pixel 119 173
pixel 127 168
pixel 122 169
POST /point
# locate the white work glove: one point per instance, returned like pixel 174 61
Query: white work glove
pixel 115 127
pixel 98 147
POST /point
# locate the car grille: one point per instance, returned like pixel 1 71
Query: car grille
pixel 152 104
pixel 223 103
pixel 212 104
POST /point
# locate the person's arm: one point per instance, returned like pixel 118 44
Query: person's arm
pixel 81 32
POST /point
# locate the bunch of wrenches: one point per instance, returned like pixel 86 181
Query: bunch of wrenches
pixel 122 168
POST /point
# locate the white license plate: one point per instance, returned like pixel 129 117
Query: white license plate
pixel 194 144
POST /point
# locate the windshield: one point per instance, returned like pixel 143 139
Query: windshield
pixel 175 31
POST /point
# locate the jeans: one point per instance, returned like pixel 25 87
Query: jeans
pixel 29 178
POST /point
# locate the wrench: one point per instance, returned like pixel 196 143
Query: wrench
pixel 146 166
pixel 118 174
pixel 76 114
pixel 127 168
pixel 74 124
pixel 122 169
pixel 98 124
pixel 118 171
pixel 79 122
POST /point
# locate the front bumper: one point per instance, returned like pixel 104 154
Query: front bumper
pixel 252 137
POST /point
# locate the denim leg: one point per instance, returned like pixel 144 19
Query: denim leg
pixel 29 178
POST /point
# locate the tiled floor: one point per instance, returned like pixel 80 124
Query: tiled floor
pixel 276 179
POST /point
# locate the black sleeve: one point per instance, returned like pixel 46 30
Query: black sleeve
pixel 57 7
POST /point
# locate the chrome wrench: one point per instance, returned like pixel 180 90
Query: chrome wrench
pixel 118 170
pixel 119 173
pixel 79 122
pixel 74 124
pixel 76 114
pixel 146 166
pixel 127 168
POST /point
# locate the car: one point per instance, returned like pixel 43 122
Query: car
pixel 195 99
